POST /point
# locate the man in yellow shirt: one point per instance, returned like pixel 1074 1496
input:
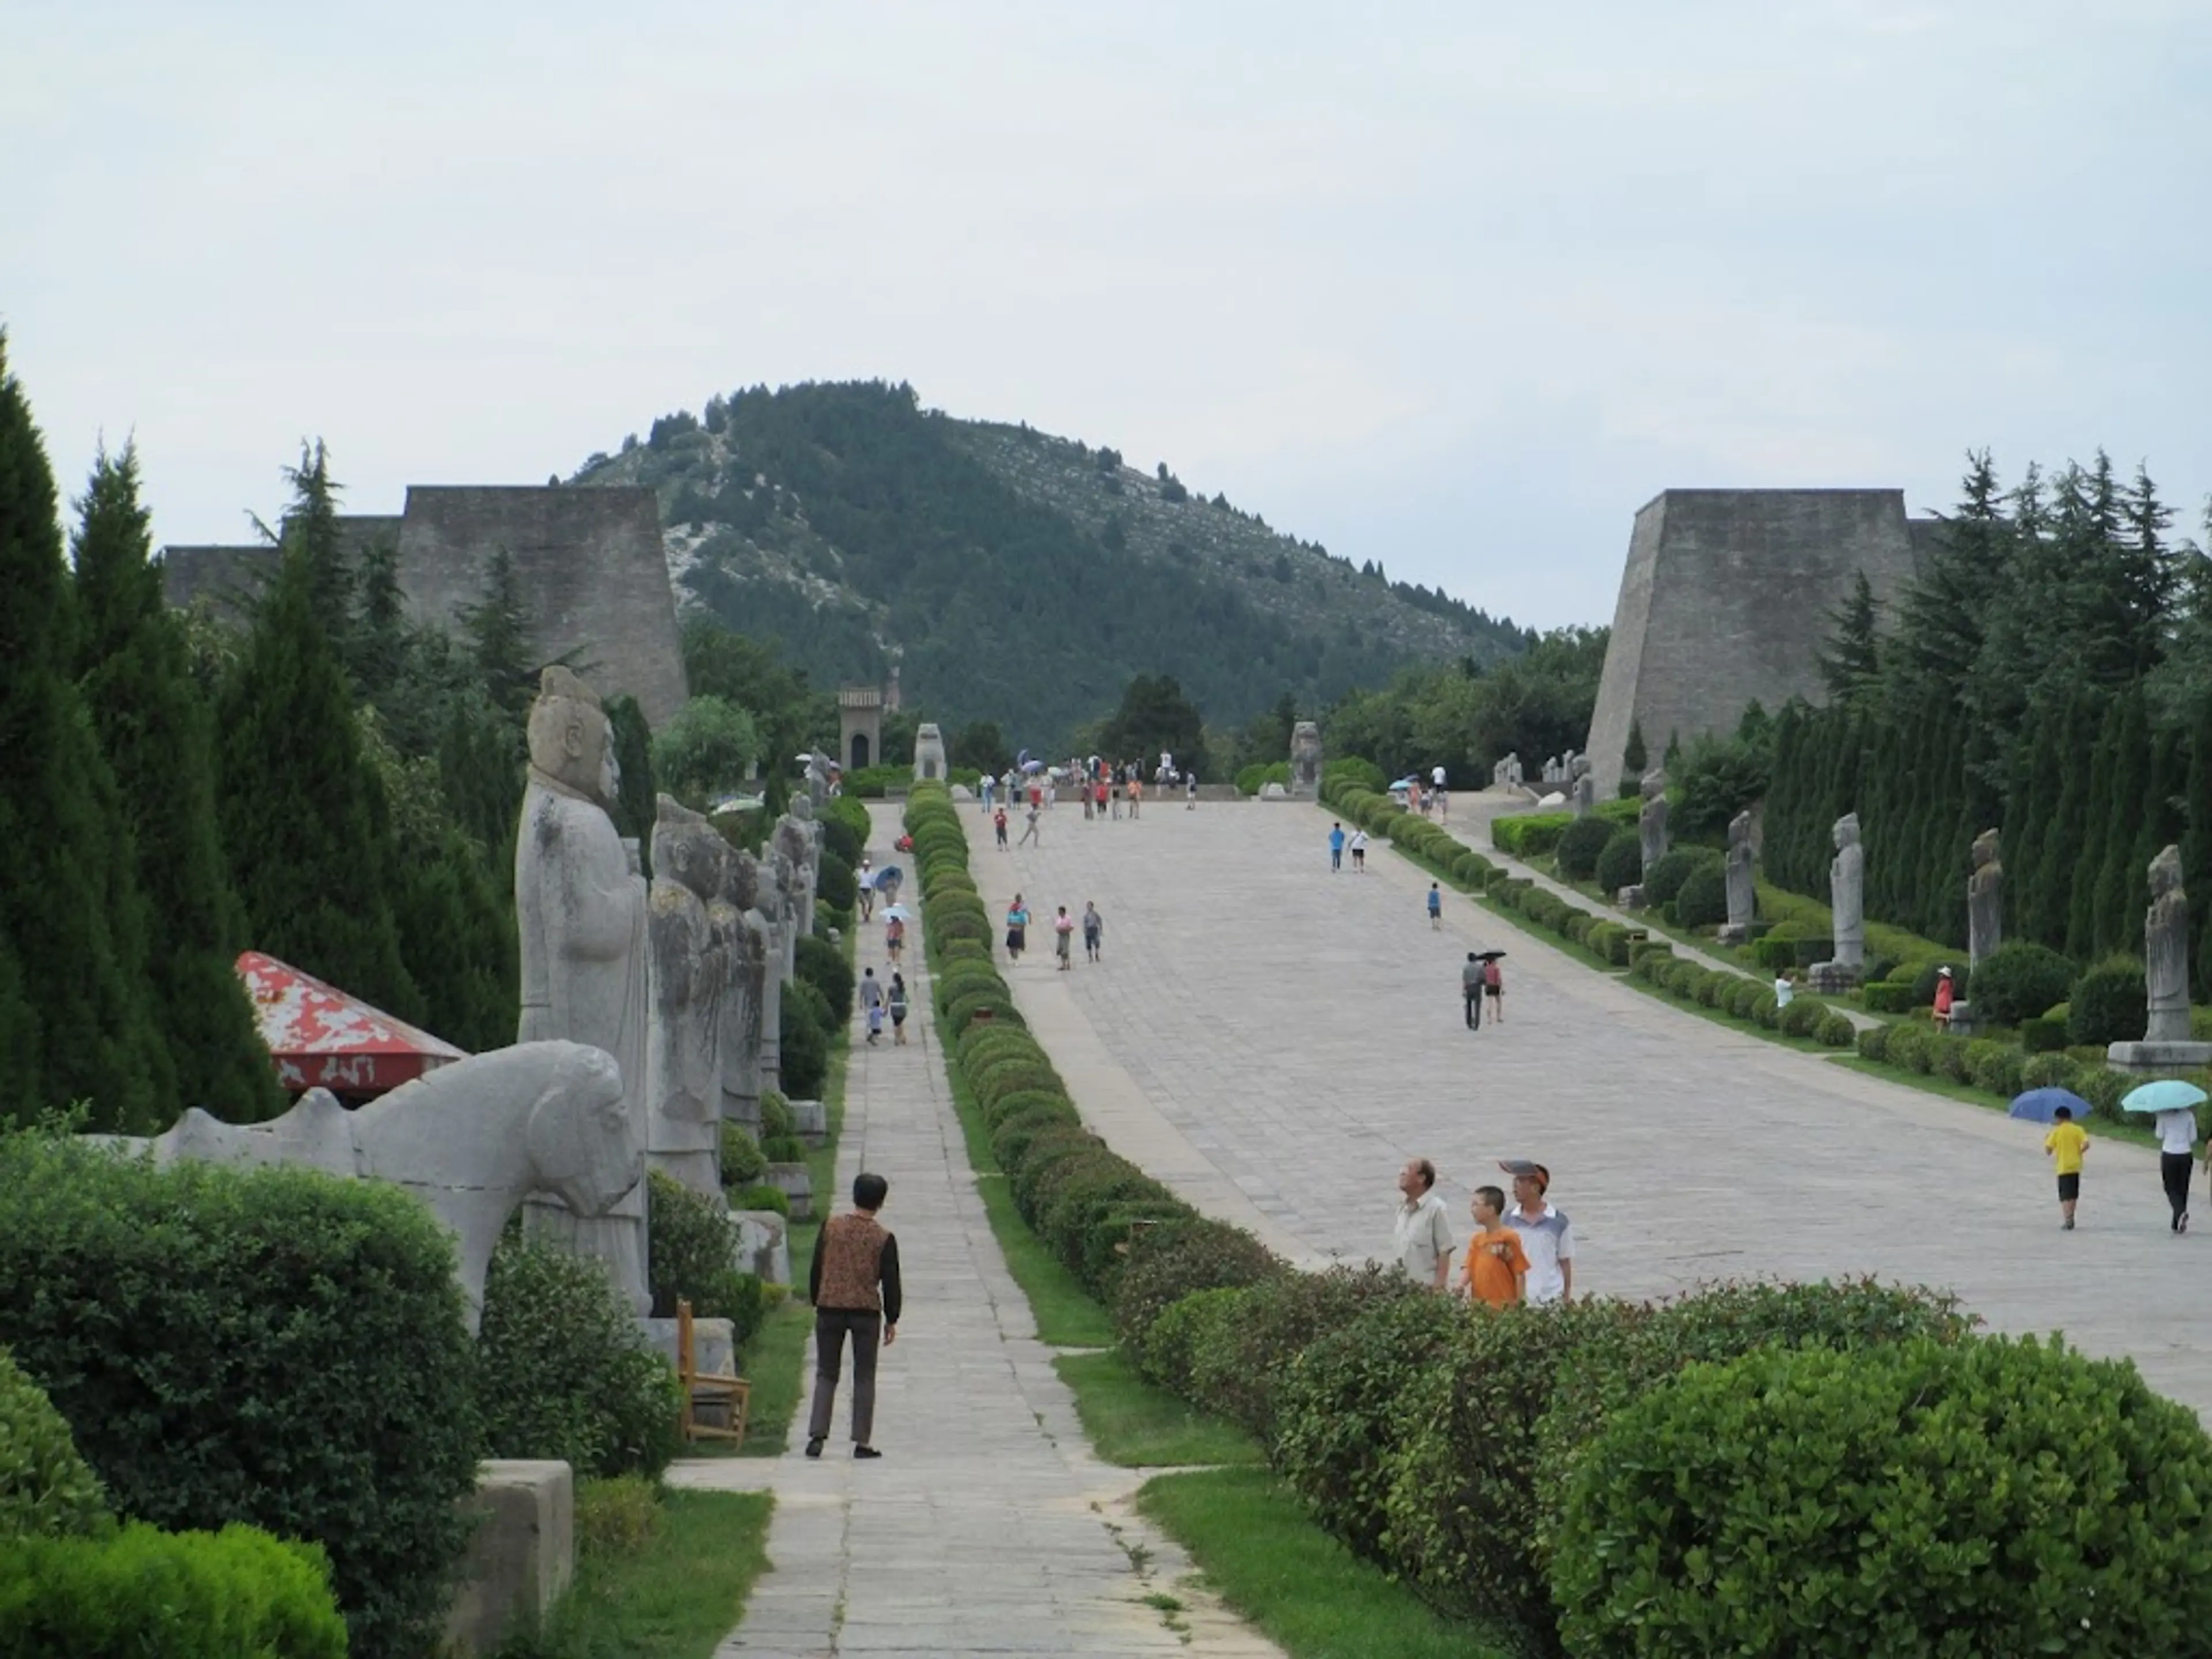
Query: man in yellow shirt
pixel 2065 1144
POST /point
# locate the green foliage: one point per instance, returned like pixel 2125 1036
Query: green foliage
pixel 2044 1033
pixel 236 1593
pixel 639 807
pixel 1155 717
pixel 705 749
pixel 839 887
pixel 822 965
pixel 804 1023
pixel 2020 979
pixel 1467 716
pixel 563 1370
pixel 1997 1496
pixel 692 1258
pixel 214 1411
pixel 1620 861
pixel 1580 845
pixel 1170 1261
pixel 2109 1004
pixel 616 1515
pixel 1663 881
pixel 761 1198
pixel 46 1490
pixel 1354 772
pixel 1702 900
pixel 742 1163
pixel 1239 1355
pixel 776 1121
pixel 1717 779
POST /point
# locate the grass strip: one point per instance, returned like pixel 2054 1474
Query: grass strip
pixel 1133 1423
pixel 677 1596
pixel 1267 1562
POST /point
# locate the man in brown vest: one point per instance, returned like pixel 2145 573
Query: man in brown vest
pixel 854 1287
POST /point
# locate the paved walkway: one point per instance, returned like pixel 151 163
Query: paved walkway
pixel 1274 1042
pixel 987 1527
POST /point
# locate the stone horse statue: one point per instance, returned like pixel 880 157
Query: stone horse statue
pixel 472 1140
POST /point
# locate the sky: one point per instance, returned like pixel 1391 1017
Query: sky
pixel 1458 286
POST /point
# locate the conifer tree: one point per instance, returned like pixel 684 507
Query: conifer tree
pixel 2117 877
pixel 157 734
pixel 70 911
pixel 480 759
pixel 381 627
pixel 305 823
pixel 640 804
pixel 2061 860
pixel 1850 666
pixel 22 1098
pixel 2196 842
pixel 311 532
pixel 497 628
pixel 2093 824
pixel 1633 761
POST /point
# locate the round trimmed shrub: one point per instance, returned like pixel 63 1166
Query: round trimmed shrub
pixel 835 886
pixel 1948 1058
pixel 2049 1071
pixel 1873 1043
pixel 1997 1496
pixel 1168 1262
pixel 1170 1346
pixel 1620 860
pixel 46 1490
pixel 2018 981
pixel 962 1010
pixel 802 1025
pixel 1802 1016
pixel 691 1256
pixel 1580 844
pixel 1241 1359
pixel 1664 879
pixel 1703 899
pixel 2111 1003
pixel 822 965
pixel 1996 1066
pixel 1908 1045
pixel 1765 1009
pixel 758 1197
pixel 1743 996
pixel 1835 1031
pixel 742 1162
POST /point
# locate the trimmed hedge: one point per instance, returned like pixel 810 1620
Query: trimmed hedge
pixel 2017 982
pixel 46 1488
pixel 691 1256
pixel 1620 862
pixel 1580 844
pixel 2109 1004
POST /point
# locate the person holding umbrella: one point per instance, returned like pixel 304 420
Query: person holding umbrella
pixel 894 932
pixel 2172 1105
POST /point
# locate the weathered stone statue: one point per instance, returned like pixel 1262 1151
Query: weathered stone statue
pixel 736 914
pixel 2166 951
pixel 1847 894
pixel 817 779
pixel 1585 796
pixel 798 843
pixel 581 907
pixel 1742 892
pixel 1651 818
pixel 777 885
pixel 1305 760
pixel 1578 766
pixel 928 753
pixel 689 971
pixel 1985 899
pixel 472 1139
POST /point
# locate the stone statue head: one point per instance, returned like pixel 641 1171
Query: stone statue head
pixel 1740 828
pixel 581 1145
pixel 1847 831
pixel 2166 874
pixel 1986 849
pixel 741 879
pixel 688 850
pixel 570 740
pixel 1655 783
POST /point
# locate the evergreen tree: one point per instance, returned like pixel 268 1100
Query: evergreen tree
pixel 1850 667
pixel 22 1079
pixel 311 533
pixel 497 628
pixel 157 734
pixel 481 756
pixel 2197 843
pixel 2062 859
pixel 2117 877
pixel 1634 760
pixel 458 934
pixel 380 629
pixel 2093 824
pixel 639 804
pixel 71 912
pixel 305 823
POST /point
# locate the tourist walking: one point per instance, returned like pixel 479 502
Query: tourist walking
pixel 1136 792
pixel 2177 1140
pixel 1099 790
pixel 853 1285
pixel 1335 848
pixel 1421 1240
pixel 999 824
pixel 1546 1236
pixel 1358 851
pixel 1029 829
pixel 895 998
pixel 984 790
pixel 1094 929
pixel 2065 1144
pixel 864 879
pixel 1470 990
pixel 1435 908
pixel 1190 792
pixel 1437 789
pixel 1063 939
pixel 871 1004
pixel 1017 928
pixel 1493 989
pixel 1497 1270
pixel 895 938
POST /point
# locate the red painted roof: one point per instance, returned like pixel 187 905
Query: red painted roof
pixel 320 1037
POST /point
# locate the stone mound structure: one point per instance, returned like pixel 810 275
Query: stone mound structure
pixel 589 563
pixel 1727 596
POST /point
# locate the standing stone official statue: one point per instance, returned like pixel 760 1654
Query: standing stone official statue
pixel 1742 891
pixel 1651 819
pixel 797 841
pixel 1847 895
pixel 691 969
pixel 1984 900
pixel 1585 795
pixel 2166 951
pixel 1305 761
pixel 581 907
pixel 736 911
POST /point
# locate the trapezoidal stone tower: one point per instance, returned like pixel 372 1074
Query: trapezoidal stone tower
pixel 1727 598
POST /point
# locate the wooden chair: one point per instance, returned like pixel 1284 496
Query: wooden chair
pixel 716 1393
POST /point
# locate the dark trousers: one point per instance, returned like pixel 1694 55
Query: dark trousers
pixel 1473 1000
pixel 831 1326
pixel 2174 1170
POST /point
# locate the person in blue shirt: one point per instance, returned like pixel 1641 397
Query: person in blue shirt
pixel 1336 846
pixel 1436 907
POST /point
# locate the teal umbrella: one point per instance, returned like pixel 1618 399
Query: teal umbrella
pixel 2168 1094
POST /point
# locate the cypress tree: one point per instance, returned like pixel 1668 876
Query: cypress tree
pixel 2092 824
pixel 21 1088
pixel 69 905
pixel 480 758
pixel 311 533
pixel 1633 759
pixel 639 804
pixel 2061 860
pixel 305 823
pixel 457 931
pixel 2117 877
pixel 497 628
pixel 2196 842
pixel 2037 773
pixel 157 734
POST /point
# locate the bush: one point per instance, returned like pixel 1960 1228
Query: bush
pixel 822 965
pixel 1166 1263
pixel 742 1162
pixel 835 886
pixel 1702 902
pixel 46 1489
pixel 804 1025
pixel 776 1121
pixel 1946 1058
pixel 2109 1004
pixel 617 1516
pixel 223 1302
pixel 1341 1410
pixel 691 1256
pixel 1835 1031
pixel 2048 1071
pixel 1995 1067
pixel 1776 952
pixel 1620 861
pixel 1241 1356
pixel 1352 770
pixel 784 1149
pixel 2104 1089
pixel 1580 844
pixel 2017 982
pixel 1873 1043
pixel 1664 879
pixel 2044 1033
pixel 1802 1016
pixel 564 1370
pixel 1765 1009
pixel 758 1197
pixel 1929 1497
pixel 1885 997
pixel 1529 834
pixel 1810 950
pixel 1908 1045
pixel 236 1593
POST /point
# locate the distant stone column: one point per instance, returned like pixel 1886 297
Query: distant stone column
pixel 1984 900
pixel 1585 796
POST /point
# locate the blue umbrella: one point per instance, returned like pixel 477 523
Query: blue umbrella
pixel 2039 1105
pixel 2168 1094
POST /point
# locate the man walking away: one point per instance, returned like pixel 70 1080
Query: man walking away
pixel 1336 847
pixel 1435 908
pixel 1358 851
pixel 1094 929
pixel 1422 1238
pixel 853 1285
pixel 1470 991
pixel 1545 1234
pixel 871 1004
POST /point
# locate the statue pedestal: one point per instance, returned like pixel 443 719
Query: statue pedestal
pixel 795 1183
pixel 809 1121
pixel 1833 978
pixel 1734 933
pixel 1629 898
pixel 1965 1022
pixel 2146 1057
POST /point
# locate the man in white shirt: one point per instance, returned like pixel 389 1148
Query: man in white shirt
pixel 2177 1140
pixel 1422 1237
pixel 1548 1238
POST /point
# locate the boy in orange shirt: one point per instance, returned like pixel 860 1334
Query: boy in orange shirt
pixel 1497 1269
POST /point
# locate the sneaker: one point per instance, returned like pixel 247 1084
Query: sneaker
pixel 814 1447
pixel 2066 1225
pixel 866 1451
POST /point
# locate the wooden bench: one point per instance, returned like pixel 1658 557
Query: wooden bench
pixel 730 1396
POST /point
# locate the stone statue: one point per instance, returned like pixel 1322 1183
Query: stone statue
pixel 2166 951
pixel 1742 895
pixel 1585 796
pixel 472 1139
pixel 817 779
pixel 689 971
pixel 928 753
pixel 1984 900
pixel 581 907
pixel 1578 766
pixel 1305 760
pixel 1651 818
pixel 777 881
pixel 1847 895
pixel 736 914
pixel 797 842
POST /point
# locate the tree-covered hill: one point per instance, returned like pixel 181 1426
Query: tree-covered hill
pixel 1013 576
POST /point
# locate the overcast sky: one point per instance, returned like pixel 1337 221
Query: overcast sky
pixel 1455 286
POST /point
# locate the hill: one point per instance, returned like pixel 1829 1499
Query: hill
pixel 1014 576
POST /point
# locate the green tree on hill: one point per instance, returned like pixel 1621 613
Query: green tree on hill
pixel 1155 717
pixel 157 734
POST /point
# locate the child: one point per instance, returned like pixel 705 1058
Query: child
pixel 2065 1144
pixel 999 824
pixel 1497 1265
pixel 871 999
pixel 1435 908
pixel 895 938
pixel 1493 990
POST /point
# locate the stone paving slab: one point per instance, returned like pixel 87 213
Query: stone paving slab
pixel 1299 1034
pixel 987 1527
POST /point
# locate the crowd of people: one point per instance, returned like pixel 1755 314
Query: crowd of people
pixel 1104 788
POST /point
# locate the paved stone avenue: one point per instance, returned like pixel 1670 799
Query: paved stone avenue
pixel 1275 1041
pixel 987 1527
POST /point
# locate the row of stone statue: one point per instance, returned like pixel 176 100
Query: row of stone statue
pixel 679 980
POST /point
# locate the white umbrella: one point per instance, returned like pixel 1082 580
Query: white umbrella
pixel 900 911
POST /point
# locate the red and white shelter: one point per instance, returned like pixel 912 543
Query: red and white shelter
pixel 322 1038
